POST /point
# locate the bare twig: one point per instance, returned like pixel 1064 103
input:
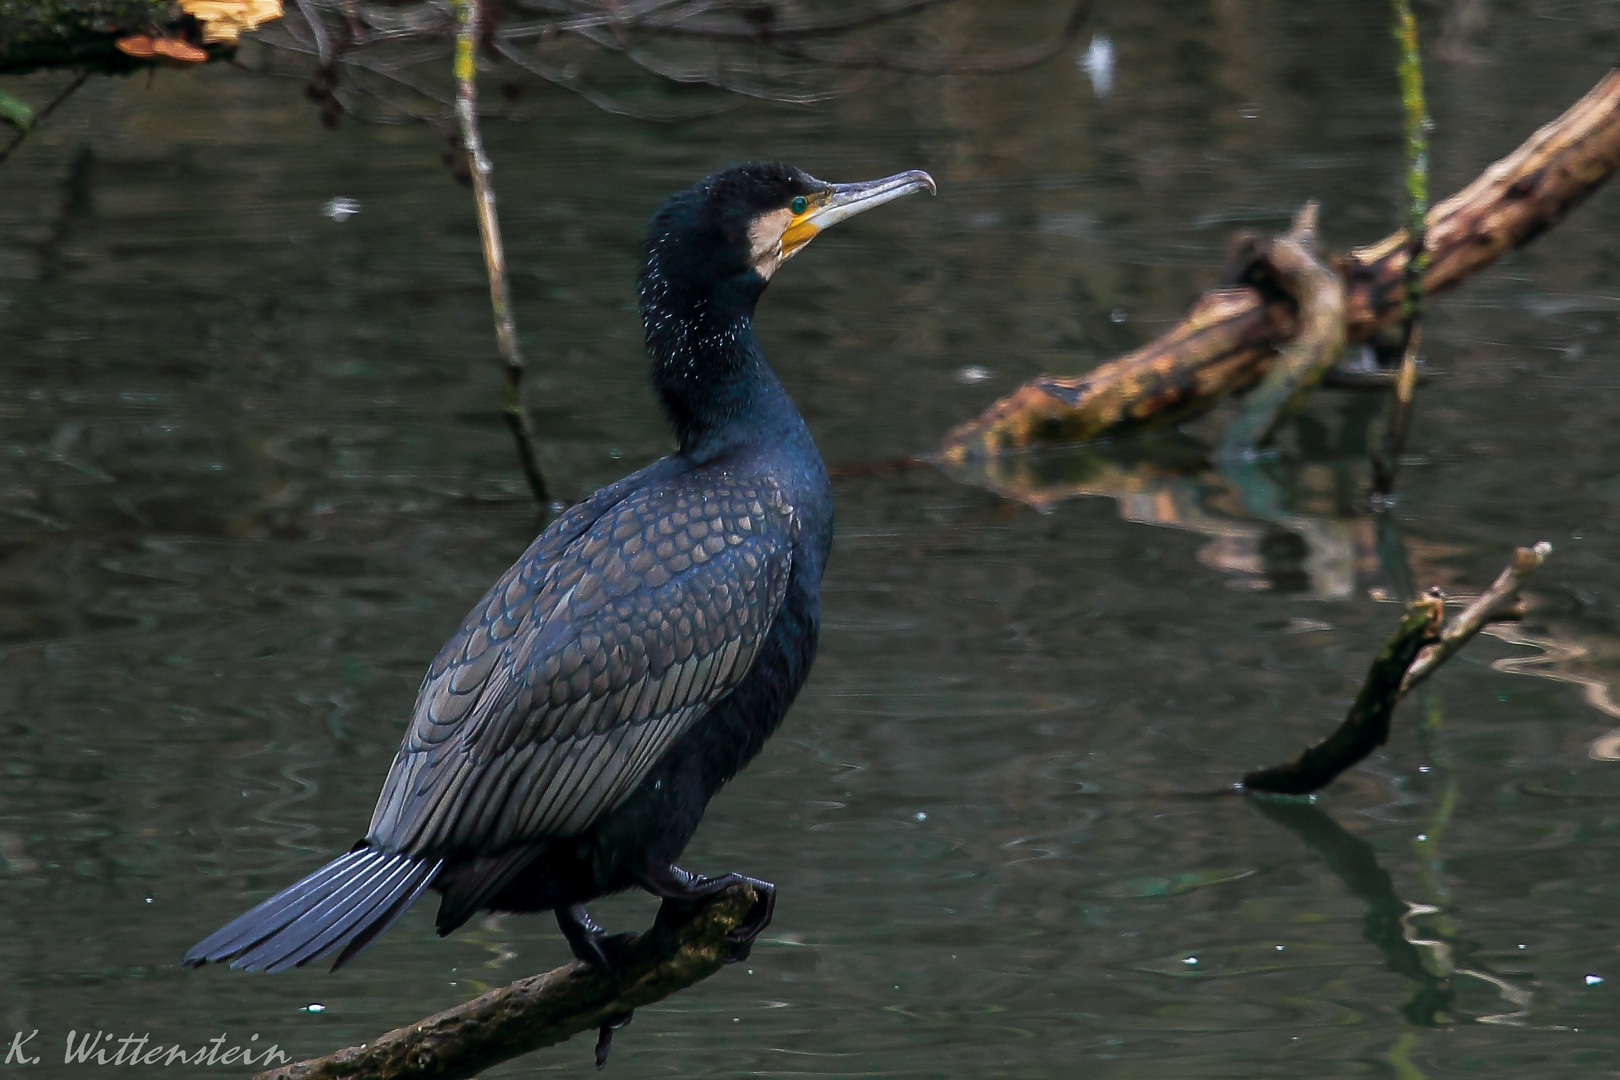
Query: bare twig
pixel 541 1010
pixel 682 23
pixel 489 230
pixel 1491 605
pixel 944 65
pixel 1386 464
pixel 39 117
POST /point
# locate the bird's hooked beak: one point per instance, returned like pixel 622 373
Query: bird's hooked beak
pixel 840 201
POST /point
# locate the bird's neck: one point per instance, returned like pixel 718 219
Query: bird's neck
pixel 711 375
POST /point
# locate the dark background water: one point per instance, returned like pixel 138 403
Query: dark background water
pixel 251 474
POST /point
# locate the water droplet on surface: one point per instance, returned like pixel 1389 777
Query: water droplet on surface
pixel 972 373
pixel 1190 960
pixel 1117 315
pixel 1593 980
pixel 921 816
pixel 313 1007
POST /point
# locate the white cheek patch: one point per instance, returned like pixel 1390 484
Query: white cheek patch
pixel 765 241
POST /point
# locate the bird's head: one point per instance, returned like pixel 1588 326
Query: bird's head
pixel 731 230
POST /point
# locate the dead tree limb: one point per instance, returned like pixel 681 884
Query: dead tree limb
pixel 541 1010
pixel 1319 295
pixel 1232 334
pixel 1419 645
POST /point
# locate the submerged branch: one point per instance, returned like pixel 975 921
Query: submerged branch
pixel 1232 334
pixel 1367 726
pixel 1419 645
pixel 541 1010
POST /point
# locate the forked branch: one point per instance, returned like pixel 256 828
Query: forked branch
pixel 1419 645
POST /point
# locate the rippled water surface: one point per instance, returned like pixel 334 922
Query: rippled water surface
pixel 251 475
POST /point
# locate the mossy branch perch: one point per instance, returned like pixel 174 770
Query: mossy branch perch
pixel 1419 645
pixel 541 1010
pixel 1233 334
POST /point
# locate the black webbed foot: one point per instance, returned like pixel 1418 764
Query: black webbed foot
pixel 592 944
pixel 604 1035
pixel 683 891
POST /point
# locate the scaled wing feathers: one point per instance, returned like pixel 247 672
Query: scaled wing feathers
pixel 580 668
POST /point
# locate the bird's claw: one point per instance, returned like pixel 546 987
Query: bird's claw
pixel 687 893
pixel 604 1035
pixel 759 917
pixel 593 945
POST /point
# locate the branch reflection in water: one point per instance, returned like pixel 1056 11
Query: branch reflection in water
pixel 1298 525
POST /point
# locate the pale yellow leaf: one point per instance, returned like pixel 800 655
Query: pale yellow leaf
pixel 223 20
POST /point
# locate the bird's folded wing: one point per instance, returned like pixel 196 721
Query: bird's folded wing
pixel 576 673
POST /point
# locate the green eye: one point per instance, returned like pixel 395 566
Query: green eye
pixel 799 204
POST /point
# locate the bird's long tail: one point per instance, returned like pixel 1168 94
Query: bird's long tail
pixel 343 905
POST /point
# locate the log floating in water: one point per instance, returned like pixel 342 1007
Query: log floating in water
pixel 1232 334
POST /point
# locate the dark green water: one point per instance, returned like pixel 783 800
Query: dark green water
pixel 251 475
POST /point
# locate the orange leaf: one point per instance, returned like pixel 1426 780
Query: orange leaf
pixel 175 49
pixel 137 45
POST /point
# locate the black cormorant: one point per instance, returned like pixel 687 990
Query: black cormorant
pixel 567 739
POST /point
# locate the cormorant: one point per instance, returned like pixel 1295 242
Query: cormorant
pixel 566 740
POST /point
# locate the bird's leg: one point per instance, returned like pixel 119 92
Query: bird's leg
pixel 683 891
pixel 603 951
pixel 592 944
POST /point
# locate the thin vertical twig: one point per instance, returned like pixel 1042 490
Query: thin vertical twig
pixel 1410 70
pixel 39 117
pixel 469 30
